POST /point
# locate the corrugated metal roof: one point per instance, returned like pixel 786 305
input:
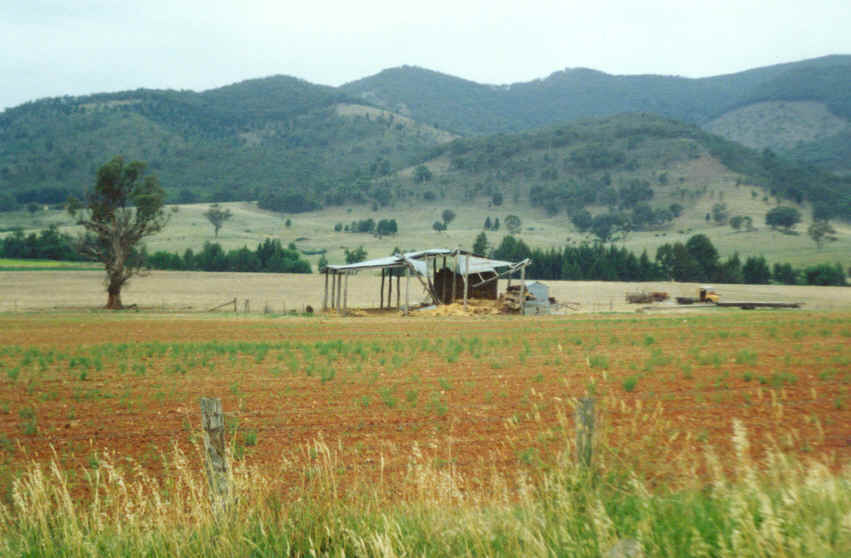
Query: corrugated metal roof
pixel 477 264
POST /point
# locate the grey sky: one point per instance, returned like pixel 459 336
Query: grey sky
pixel 73 47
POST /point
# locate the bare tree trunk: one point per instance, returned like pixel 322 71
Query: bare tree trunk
pixel 113 301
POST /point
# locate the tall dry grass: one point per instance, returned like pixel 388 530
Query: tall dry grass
pixel 778 506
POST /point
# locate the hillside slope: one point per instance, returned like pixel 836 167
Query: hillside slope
pixel 296 146
pixel 231 143
pixel 471 108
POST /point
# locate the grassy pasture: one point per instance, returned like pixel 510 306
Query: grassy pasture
pixel 436 436
pixel 315 230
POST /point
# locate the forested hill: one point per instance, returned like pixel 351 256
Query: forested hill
pixel 296 146
pixel 233 143
pixel 820 134
pixel 471 108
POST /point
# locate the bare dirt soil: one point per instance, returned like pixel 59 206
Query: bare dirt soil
pixel 477 393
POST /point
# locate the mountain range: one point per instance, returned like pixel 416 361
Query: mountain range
pixel 295 145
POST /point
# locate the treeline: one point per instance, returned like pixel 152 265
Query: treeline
pixel 48 244
pixel 696 260
pixel 270 257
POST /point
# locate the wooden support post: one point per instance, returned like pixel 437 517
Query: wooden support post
pixel 584 430
pixel 381 300
pixel 390 290
pixel 443 285
pixel 216 462
pixel 333 290
pixel 454 271
pixel 466 278
pixel 407 289
pixel 234 305
pixel 346 295
pixel 339 291
pixel 398 291
pixel 325 296
pixel 523 291
pixel 247 307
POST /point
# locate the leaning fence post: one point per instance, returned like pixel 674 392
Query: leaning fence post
pixel 216 463
pixel 584 430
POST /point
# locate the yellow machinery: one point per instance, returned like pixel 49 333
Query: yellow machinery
pixel 707 294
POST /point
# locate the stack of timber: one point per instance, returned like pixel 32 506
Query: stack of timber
pixel 646 298
pixel 510 301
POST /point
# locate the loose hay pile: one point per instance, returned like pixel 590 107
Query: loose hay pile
pixel 474 307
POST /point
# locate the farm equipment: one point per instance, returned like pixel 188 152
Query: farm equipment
pixel 705 294
pixel 645 298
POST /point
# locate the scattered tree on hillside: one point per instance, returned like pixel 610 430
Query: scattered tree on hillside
pixel 603 226
pixel 356 255
pixel 125 206
pixel 32 207
pixel 821 231
pixel 487 226
pixel 719 213
pixel 438 226
pixel 386 227
pixel 422 174
pixel 496 199
pixel 513 223
pixel 217 216
pixel 448 216
pixel 495 224
pixel 582 220
pixel 783 217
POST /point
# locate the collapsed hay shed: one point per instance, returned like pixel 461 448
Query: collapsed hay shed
pixel 446 275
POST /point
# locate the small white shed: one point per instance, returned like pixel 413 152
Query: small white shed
pixel 541 303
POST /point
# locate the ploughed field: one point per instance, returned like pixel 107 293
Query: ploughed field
pixel 477 394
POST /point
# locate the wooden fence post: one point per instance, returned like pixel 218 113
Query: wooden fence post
pixel 584 430
pixel 215 452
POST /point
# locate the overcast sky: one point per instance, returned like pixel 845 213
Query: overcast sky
pixel 74 47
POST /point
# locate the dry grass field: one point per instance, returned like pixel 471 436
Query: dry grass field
pixel 198 291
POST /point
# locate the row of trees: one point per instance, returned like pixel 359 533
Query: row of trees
pixel 49 244
pixel 384 227
pixel 696 260
pixel 270 256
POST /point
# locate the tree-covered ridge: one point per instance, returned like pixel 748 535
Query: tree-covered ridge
pixel 275 134
pixel 618 162
pixel 472 108
pixel 286 143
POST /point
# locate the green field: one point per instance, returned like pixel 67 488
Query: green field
pixel 7 264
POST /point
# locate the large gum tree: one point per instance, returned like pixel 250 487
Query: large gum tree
pixel 125 206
